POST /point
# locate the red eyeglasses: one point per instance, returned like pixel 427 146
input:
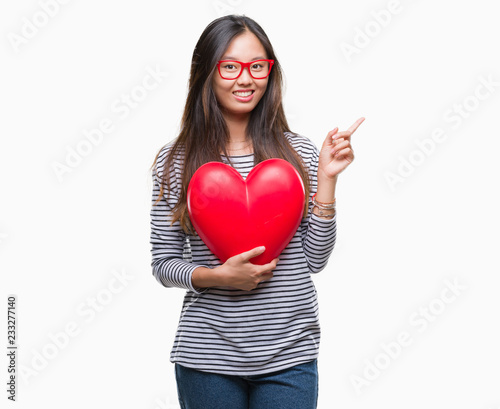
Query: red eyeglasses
pixel 258 69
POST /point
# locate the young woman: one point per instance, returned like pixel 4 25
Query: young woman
pixel 248 335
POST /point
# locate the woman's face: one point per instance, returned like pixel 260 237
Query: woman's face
pixel 245 47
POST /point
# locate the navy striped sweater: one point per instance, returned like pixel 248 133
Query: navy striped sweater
pixel 237 332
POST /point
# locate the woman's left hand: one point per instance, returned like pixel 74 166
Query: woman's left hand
pixel 336 153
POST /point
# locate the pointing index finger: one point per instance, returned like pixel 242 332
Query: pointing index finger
pixel 355 125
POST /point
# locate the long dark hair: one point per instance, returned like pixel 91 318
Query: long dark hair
pixel 204 132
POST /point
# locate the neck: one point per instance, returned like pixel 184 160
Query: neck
pixel 237 125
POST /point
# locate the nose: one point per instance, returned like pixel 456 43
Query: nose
pixel 245 77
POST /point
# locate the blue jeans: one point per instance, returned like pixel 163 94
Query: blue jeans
pixel 293 388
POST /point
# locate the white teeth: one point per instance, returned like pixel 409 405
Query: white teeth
pixel 243 94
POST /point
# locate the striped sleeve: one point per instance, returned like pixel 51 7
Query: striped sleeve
pixel 318 234
pixel 167 240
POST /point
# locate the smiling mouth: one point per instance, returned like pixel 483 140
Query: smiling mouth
pixel 243 94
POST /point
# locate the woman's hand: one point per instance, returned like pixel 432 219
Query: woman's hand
pixel 242 274
pixel 336 153
pixel 237 272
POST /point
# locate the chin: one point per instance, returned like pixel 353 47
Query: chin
pixel 240 108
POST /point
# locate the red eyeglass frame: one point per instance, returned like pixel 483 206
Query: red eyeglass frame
pixel 243 65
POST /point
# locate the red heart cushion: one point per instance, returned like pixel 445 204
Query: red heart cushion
pixel 233 215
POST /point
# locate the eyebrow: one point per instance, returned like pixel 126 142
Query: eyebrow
pixel 228 57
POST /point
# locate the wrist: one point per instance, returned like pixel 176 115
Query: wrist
pixel 325 191
pixel 323 209
pixel 204 277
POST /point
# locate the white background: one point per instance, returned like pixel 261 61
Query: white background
pixel 62 237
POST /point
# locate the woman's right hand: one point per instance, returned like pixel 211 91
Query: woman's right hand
pixel 240 273
pixel 237 272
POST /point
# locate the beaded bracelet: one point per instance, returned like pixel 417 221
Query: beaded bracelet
pixel 324 206
pixel 329 216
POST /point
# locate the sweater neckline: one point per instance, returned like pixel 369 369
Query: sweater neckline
pixel 237 156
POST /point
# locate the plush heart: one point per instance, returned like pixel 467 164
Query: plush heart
pixel 233 215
